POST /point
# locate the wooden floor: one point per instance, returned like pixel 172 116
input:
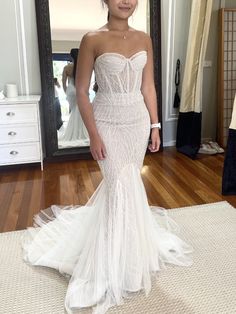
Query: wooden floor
pixel 171 180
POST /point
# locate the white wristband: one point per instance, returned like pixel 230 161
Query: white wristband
pixel 156 125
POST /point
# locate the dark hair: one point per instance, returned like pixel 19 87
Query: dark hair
pixel 56 82
pixel 108 14
pixel 74 55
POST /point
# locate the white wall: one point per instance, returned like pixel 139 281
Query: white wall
pixel 19 62
pixel 60 46
pixel 10 71
pixel 31 41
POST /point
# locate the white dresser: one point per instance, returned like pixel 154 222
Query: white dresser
pixel 20 132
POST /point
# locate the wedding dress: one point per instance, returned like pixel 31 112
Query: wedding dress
pixel 116 244
pixel 75 133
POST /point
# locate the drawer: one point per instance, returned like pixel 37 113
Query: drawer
pixel 18 133
pixel 18 113
pixel 16 153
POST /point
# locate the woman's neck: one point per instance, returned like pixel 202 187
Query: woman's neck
pixel 115 24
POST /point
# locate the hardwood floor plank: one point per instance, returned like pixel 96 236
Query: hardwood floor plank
pixel 177 182
pixel 24 202
pixel 13 209
pixel 95 175
pixel 36 203
pixel 52 186
pixel 88 182
pixel 163 182
pixel 6 193
pixel 189 174
pixel 154 193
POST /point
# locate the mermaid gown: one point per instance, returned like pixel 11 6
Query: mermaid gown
pixel 116 244
pixel 75 133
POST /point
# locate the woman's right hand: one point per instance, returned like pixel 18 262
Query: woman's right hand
pixel 97 148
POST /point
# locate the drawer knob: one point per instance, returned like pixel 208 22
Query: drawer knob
pixel 14 152
pixel 10 114
pixel 12 133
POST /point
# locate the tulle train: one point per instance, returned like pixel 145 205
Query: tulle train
pixel 110 248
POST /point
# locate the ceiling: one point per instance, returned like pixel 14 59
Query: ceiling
pixel 71 19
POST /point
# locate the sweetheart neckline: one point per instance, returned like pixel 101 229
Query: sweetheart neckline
pixel 121 55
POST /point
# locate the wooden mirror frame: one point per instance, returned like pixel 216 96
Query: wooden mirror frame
pixel 46 70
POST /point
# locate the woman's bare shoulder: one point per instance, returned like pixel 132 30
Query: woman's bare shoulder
pixel 93 35
pixel 92 38
pixel 141 37
pixel 68 68
pixel 140 34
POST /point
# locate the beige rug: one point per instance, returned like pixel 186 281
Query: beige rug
pixel 209 286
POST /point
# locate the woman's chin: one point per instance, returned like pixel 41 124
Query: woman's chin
pixel 124 15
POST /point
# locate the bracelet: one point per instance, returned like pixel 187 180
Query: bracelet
pixel 156 125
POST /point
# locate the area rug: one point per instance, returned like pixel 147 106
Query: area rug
pixel 209 286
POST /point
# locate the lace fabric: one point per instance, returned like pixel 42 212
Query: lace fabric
pixel 115 245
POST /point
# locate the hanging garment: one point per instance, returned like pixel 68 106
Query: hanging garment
pixel 114 245
pixel 189 122
pixel 229 172
pixel 57 106
pixel 177 82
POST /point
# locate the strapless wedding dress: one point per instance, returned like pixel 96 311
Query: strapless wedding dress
pixel 116 244
pixel 75 134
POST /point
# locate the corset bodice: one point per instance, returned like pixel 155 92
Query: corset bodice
pixel 116 74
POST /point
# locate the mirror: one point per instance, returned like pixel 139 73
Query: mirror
pixel 61 26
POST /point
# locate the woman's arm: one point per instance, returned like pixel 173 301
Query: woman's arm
pixel 84 71
pixel 149 93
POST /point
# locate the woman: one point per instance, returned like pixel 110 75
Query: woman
pixel 68 78
pixel 115 244
pixel 75 133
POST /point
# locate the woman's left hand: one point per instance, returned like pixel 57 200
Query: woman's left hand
pixel 155 137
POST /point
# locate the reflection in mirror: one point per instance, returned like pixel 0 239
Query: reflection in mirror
pixel 70 20
pixel 71 129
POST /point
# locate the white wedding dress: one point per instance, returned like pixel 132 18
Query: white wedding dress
pixel 75 134
pixel 116 244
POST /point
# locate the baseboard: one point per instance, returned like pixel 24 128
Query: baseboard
pixel 173 143
pixel 170 143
